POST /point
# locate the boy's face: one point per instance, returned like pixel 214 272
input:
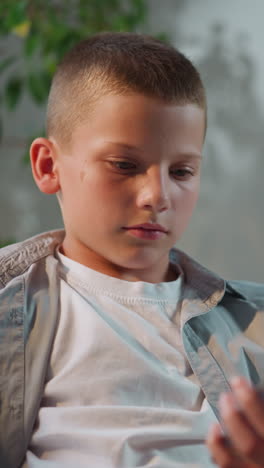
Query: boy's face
pixel 136 160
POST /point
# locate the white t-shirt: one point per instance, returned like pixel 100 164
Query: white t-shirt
pixel 119 392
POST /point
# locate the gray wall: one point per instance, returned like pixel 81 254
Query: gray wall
pixel 225 40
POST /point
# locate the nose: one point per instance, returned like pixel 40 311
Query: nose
pixel 154 191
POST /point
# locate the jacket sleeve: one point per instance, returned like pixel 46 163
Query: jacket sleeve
pixel 11 374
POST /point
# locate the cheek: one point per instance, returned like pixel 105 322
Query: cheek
pixel 102 199
pixel 193 196
pixel 183 210
pixel 187 197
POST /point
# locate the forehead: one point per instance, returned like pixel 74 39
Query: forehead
pixel 136 121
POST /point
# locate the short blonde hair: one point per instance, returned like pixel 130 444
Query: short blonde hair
pixel 118 63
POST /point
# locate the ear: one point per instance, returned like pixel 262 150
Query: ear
pixel 43 157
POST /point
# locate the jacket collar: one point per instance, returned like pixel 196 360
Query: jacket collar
pixel 202 289
pixel 201 286
pixel 15 259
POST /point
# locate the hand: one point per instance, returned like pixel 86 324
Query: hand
pixel 242 412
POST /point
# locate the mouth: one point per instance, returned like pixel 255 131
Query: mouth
pixel 149 227
pixel 147 231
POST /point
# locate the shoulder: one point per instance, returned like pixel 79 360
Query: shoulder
pixel 17 258
pixel 247 290
pixel 205 282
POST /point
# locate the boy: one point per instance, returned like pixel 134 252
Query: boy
pixel 115 346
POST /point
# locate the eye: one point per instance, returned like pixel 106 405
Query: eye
pixel 182 173
pixel 123 165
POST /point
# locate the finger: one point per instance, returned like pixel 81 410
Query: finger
pixel 251 403
pixel 243 437
pixel 221 451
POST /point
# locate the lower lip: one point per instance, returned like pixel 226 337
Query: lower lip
pixel 146 234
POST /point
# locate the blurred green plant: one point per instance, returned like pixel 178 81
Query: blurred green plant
pixel 47 29
pixel 4 242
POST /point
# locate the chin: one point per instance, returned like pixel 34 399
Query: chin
pixel 139 261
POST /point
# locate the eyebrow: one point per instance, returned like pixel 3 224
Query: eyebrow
pixel 187 155
pixel 123 145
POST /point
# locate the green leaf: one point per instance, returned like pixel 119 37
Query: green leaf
pixel 50 64
pixel 163 37
pixel 67 41
pixel 38 86
pixel 4 64
pixel 140 5
pixel 16 13
pixel 30 45
pixel 140 10
pixel 120 24
pixel 13 91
